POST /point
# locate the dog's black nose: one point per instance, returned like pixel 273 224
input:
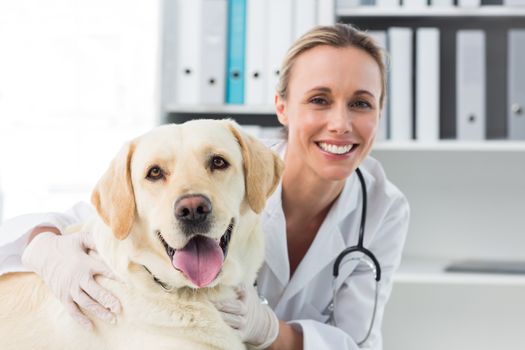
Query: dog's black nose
pixel 192 209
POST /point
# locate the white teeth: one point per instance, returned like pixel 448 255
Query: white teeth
pixel 335 149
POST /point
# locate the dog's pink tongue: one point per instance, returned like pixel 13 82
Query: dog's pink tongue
pixel 200 260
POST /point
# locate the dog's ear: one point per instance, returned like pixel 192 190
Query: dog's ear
pixel 262 168
pixel 113 195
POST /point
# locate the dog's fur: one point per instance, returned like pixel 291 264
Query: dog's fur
pixel 132 210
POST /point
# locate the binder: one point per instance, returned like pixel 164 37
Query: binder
pixel 343 4
pixel 188 63
pixel 382 131
pixel 469 3
pixel 427 84
pixel 414 3
pixel 325 12
pixel 213 58
pixel 256 78
pixel 279 39
pixel 304 16
pixel 441 3
pixel 387 3
pixel 169 56
pixel 470 82
pixel 516 84
pixel 401 113
pixel 236 51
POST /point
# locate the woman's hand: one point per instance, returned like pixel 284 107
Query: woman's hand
pixel 67 269
pixel 256 323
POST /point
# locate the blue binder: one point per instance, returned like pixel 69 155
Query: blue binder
pixel 236 50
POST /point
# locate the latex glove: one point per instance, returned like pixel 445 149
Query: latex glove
pixel 256 323
pixel 64 265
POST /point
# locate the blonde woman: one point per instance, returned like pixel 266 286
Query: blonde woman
pixel 329 98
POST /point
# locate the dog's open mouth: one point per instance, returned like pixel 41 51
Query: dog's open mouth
pixel 201 259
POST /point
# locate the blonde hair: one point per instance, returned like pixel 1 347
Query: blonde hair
pixel 339 35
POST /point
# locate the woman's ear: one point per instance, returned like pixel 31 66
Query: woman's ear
pixel 262 168
pixel 113 195
pixel 280 109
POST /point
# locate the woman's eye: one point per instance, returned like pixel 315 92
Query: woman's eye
pixel 319 101
pixel 361 104
pixel 155 173
pixel 218 163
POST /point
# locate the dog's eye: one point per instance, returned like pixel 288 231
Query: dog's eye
pixel 155 173
pixel 218 163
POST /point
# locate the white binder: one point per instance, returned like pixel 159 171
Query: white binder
pixel 304 16
pixel 442 3
pixel 427 84
pixel 469 3
pixel 415 3
pixel 344 4
pixel 516 84
pixel 279 39
pixel 401 118
pixel 382 131
pixel 189 51
pixel 256 74
pixel 213 57
pixel 325 12
pixel 388 3
pixel 470 84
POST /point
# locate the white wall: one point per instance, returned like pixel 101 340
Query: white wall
pixel 77 78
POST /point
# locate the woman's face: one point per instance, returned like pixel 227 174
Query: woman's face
pixel 332 110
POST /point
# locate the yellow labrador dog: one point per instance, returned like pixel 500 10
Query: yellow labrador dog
pixel 178 223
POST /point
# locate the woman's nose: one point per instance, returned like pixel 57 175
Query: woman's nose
pixel 340 121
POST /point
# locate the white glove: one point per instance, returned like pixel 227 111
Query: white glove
pixel 256 323
pixel 64 265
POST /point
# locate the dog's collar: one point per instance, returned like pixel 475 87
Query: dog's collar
pixel 164 285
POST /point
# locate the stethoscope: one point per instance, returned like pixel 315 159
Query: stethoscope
pixel 371 262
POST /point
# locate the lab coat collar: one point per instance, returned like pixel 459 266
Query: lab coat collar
pixel 274 227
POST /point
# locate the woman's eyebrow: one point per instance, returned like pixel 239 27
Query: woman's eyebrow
pixel 364 92
pixel 319 89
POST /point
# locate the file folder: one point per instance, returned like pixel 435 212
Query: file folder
pixel 325 12
pixel 427 84
pixel 279 39
pixel 470 82
pixel 256 78
pixel 189 51
pixel 236 51
pixel 401 112
pixel 516 84
pixel 213 58
pixel 304 16
pixel 380 37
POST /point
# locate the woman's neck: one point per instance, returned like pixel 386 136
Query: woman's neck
pixel 305 194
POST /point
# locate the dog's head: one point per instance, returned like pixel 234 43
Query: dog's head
pixel 186 197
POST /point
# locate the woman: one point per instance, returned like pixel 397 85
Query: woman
pixel 331 92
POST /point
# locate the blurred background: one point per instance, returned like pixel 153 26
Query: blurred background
pixel 77 79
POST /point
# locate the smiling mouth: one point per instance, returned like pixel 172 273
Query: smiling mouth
pixel 202 258
pixel 223 244
pixel 336 149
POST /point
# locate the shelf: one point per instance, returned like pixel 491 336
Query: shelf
pixel 483 11
pixel 453 145
pixel 427 271
pixel 221 109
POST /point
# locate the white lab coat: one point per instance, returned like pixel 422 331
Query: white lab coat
pixel 302 300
